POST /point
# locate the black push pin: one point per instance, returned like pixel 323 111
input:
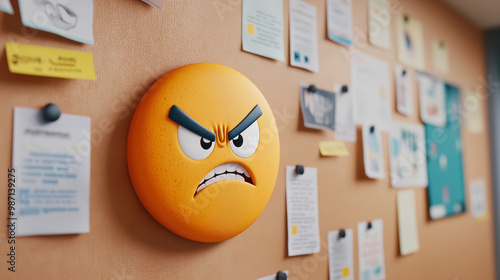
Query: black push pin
pixel 299 169
pixel 344 89
pixel 281 276
pixel 406 18
pixel 441 44
pixel 403 73
pixel 341 234
pixel 51 112
pixel 372 129
pixel 312 88
pixel 369 226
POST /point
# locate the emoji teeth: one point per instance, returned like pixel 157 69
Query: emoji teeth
pixel 226 171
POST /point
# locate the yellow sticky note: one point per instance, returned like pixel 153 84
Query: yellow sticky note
pixel 49 62
pixel 345 272
pixel 294 230
pixel 251 29
pixel 333 148
pixel 483 218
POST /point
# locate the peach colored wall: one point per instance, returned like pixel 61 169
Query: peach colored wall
pixel 134 46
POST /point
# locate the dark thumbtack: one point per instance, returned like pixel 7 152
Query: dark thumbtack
pixel 299 169
pixel 281 276
pixel 51 112
pixel 312 88
pixel 404 72
pixel 341 234
pixel 406 18
pixel 441 44
pixel 372 129
pixel 344 89
pixel 369 226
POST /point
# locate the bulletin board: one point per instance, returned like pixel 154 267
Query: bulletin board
pixel 135 45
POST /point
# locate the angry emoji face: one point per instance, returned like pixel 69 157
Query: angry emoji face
pixel 203 152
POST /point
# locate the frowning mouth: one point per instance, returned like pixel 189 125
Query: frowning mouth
pixel 226 171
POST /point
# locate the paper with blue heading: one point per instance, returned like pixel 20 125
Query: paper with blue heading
pixel 5 6
pixel 53 162
pixel 71 19
pixel 262 24
pixel 339 21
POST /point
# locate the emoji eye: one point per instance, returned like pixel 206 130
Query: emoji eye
pixel 245 143
pixel 193 145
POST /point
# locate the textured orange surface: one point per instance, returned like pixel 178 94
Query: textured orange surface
pixel 135 45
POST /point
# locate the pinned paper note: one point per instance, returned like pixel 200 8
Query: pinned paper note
pixel 410 41
pixel 407 222
pixel 478 199
pixel 372 152
pixel 408 157
pixel 53 163
pixel 371 250
pixel 371 88
pixel 318 107
pixel 345 126
pixel 274 277
pixel 155 3
pixel 49 62
pixel 379 23
pixel 302 211
pixel 339 20
pixel 404 90
pixel 340 255
pixel 440 56
pixel 262 24
pixel 432 100
pixel 303 35
pixel 72 19
pixel 5 6
pixel 473 107
pixel 333 148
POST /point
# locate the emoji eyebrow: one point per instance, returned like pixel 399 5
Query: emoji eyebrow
pixel 182 119
pixel 246 122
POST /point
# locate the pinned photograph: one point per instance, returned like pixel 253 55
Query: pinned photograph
pixel 318 107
